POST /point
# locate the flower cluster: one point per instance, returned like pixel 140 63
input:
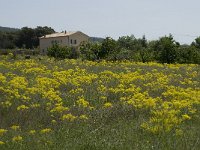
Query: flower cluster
pixel 40 96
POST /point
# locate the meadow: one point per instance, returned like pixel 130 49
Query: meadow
pixel 74 104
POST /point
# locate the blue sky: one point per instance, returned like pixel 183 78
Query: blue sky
pixel 101 18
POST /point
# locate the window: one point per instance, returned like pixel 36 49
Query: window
pixel 75 42
pixel 71 41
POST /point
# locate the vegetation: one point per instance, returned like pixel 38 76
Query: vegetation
pixel 60 52
pixel 95 39
pixel 7 29
pixel 164 50
pixel 74 104
pixel 26 38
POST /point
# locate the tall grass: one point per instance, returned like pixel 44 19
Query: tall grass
pixel 74 104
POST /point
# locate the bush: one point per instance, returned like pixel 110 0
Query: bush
pixel 62 52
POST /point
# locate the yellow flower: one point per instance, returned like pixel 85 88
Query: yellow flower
pixel 10 55
pixel 1 142
pixel 35 105
pixel 2 78
pixel 15 127
pixel 53 121
pixel 19 82
pixel 2 131
pixel 186 117
pixel 103 97
pixel 59 109
pixel 47 130
pixel 82 102
pixel 179 132
pixel 92 108
pixel 108 105
pixel 84 117
pixel 52 95
pixel 17 138
pixel 22 107
pixel 32 132
pixel 68 117
pixel 6 103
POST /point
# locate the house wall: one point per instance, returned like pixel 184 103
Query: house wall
pixel 79 37
pixel 73 40
pixel 48 42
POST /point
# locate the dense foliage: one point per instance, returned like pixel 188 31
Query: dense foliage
pixel 62 52
pixel 164 50
pixel 27 38
pixel 7 29
pixel 74 104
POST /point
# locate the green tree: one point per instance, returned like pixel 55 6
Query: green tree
pixel 7 39
pixel 26 38
pixel 127 42
pixel 124 54
pixel 109 47
pixel 165 49
pixel 196 43
pixel 90 50
pixel 29 37
pixel 41 31
pixel 62 52
pixel 188 54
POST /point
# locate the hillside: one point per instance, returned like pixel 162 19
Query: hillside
pixel 8 29
pixel 96 39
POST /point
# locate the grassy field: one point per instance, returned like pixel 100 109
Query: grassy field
pixel 73 104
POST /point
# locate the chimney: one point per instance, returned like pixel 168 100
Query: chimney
pixel 65 32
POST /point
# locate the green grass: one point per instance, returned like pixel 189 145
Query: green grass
pixel 114 128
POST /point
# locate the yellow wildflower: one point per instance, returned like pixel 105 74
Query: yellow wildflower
pixel 108 105
pixel 10 55
pixel 83 117
pixel 2 78
pixel 35 105
pixel 59 109
pixel 32 132
pixel 52 95
pixel 92 108
pixel 47 130
pixel 2 131
pixel 82 102
pixel 22 107
pixel 19 82
pixel 179 132
pixel 1 142
pixel 103 97
pixel 68 117
pixel 6 103
pixel 17 138
pixel 53 121
pixel 186 117
pixel 15 127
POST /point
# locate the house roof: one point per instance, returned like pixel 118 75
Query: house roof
pixel 62 34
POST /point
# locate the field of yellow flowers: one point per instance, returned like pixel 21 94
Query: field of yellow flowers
pixel 74 104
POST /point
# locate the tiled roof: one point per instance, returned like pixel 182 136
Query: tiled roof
pixel 58 34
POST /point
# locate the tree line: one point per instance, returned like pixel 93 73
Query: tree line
pixel 163 50
pixel 26 38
